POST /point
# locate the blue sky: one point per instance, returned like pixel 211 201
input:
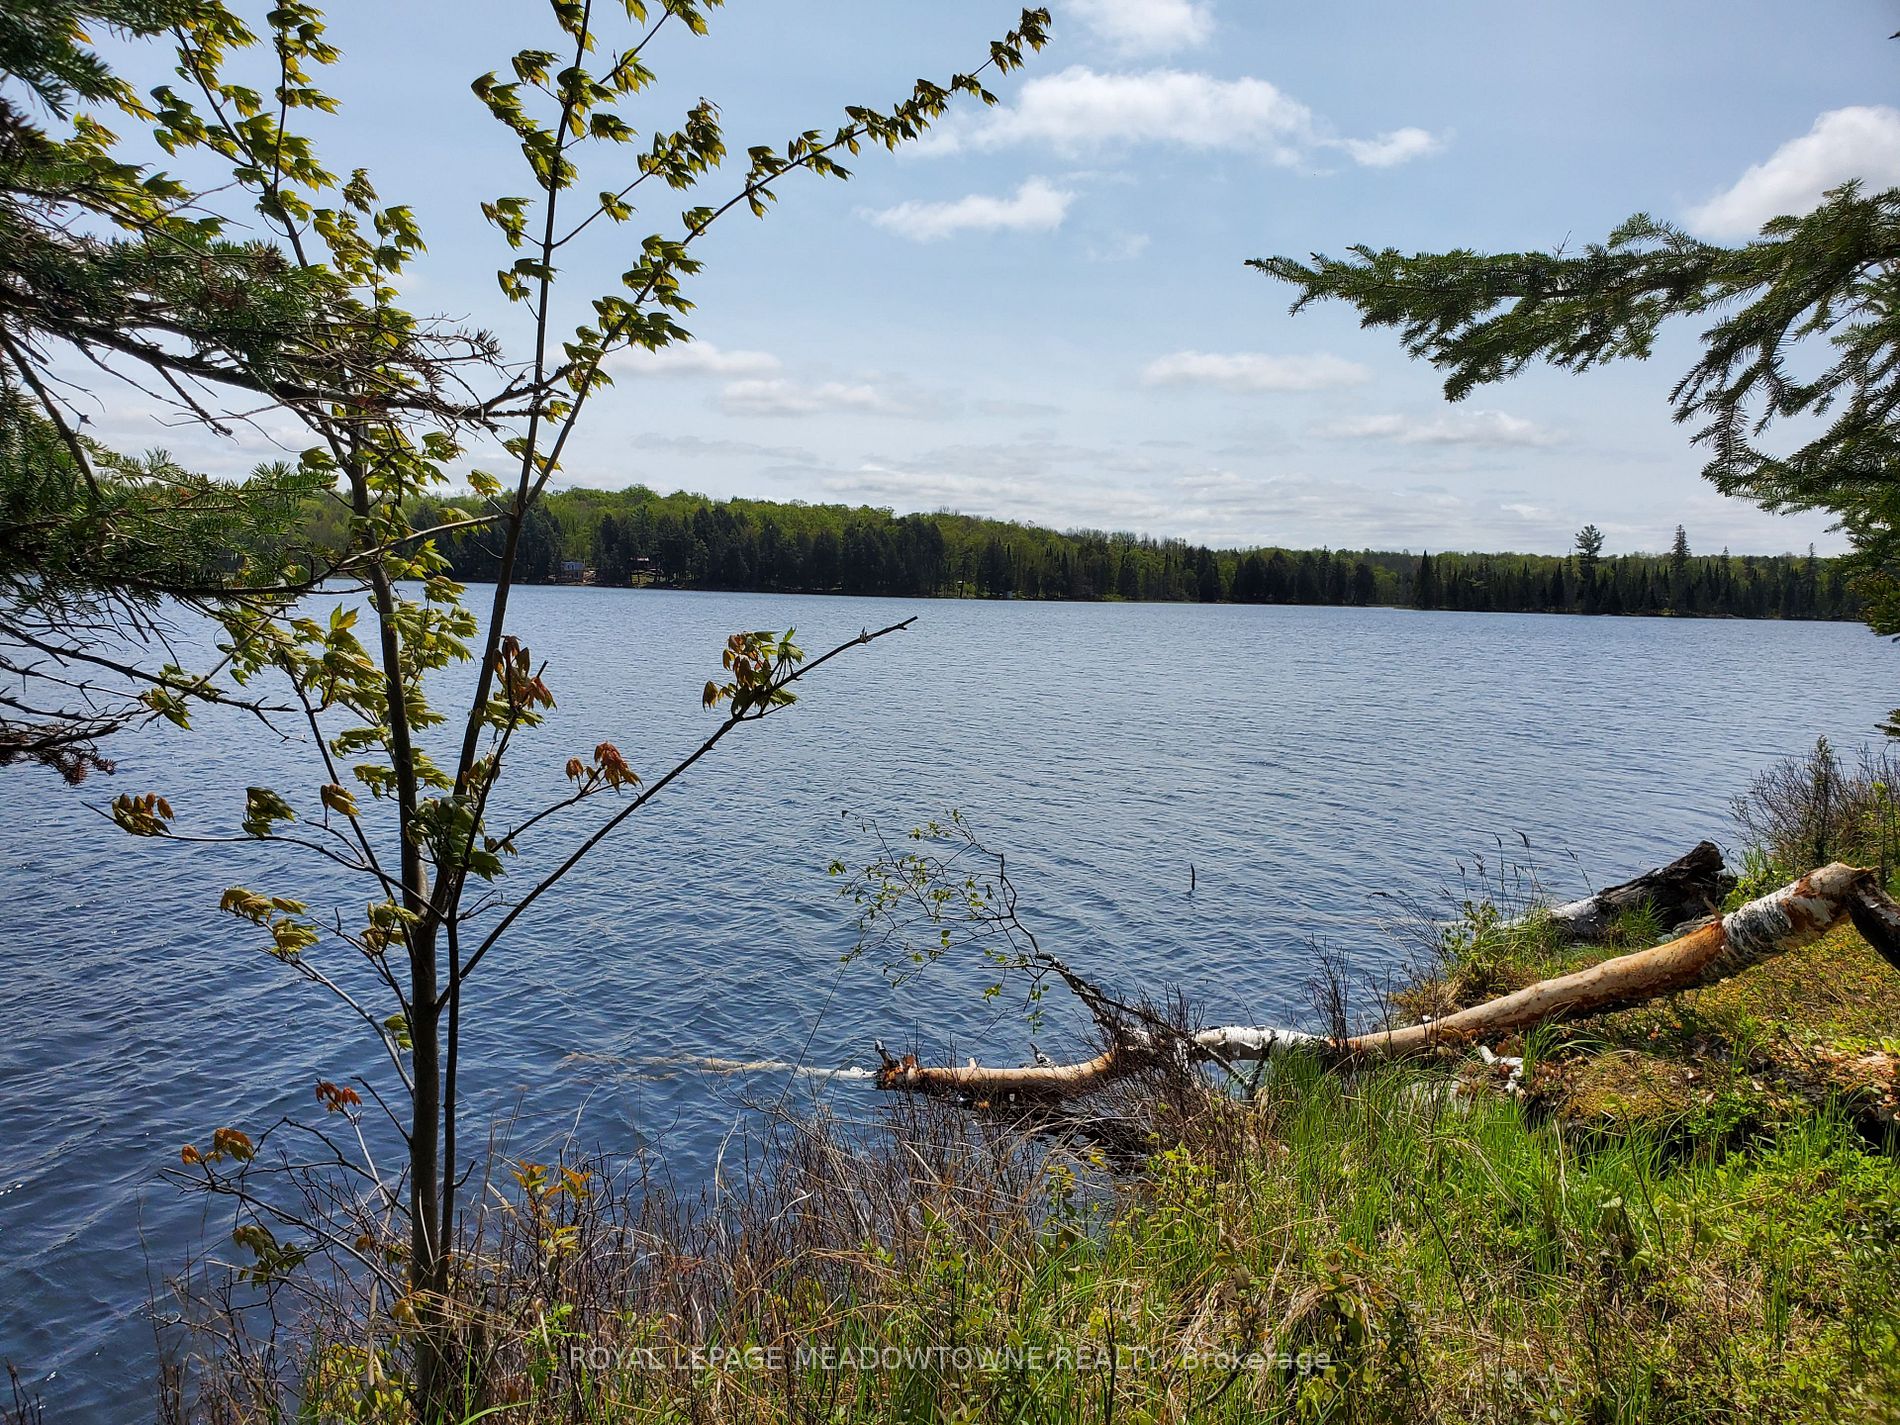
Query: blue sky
pixel 1043 312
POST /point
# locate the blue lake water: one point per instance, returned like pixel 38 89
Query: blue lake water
pixel 1295 757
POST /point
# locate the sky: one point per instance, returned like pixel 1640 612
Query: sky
pixel 1043 311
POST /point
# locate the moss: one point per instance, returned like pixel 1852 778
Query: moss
pixel 1836 991
pixel 1761 1049
pixel 1626 1086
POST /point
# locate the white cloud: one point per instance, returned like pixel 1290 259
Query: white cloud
pixel 701 446
pixel 1254 371
pixel 1860 142
pixel 1489 428
pixel 1038 206
pixel 1010 409
pixel 1123 247
pixel 1390 150
pixel 1176 491
pixel 1220 506
pixel 1081 108
pixel 693 358
pixel 779 397
pixel 1146 26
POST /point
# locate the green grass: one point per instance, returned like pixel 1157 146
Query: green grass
pixel 1767 1048
pixel 1692 1216
pixel 1423 1258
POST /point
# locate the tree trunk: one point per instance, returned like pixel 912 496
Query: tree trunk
pixel 1787 919
pixel 1688 888
pixel 428 1262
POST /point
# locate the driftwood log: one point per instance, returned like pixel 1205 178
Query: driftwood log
pixel 1688 888
pixel 1786 919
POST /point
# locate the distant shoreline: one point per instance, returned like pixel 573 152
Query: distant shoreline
pixel 1663 614
pixel 638 537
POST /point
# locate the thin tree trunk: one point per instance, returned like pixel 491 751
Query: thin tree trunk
pixel 1787 919
pixel 428 1261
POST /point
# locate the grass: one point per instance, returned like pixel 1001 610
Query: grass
pixel 1349 1250
pixel 1686 1212
pixel 1692 1214
pixel 1766 1047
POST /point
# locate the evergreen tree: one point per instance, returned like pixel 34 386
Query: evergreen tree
pixel 1250 580
pixel 1679 571
pixel 1207 577
pixel 1829 274
pixel 1589 549
pixel 689 541
pixel 106 260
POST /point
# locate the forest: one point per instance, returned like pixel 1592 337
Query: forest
pixel 638 536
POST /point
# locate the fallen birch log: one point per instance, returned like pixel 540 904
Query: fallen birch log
pixel 1688 888
pixel 1786 919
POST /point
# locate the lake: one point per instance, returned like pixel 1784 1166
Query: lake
pixel 1298 759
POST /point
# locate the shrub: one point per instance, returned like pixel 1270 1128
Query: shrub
pixel 1806 811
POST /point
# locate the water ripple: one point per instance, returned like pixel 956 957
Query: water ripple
pixel 1296 758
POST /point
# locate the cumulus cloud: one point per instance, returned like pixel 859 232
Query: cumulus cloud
pixel 1254 371
pixel 693 358
pixel 1123 247
pixel 1214 504
pixel 1146 26
pixel 1390 150
pixel 1013 409
pixel 1482 428
pixel 1038 206
pixel 1860 142
pixel 1081 109
pixel 780 397
pixel 720 446
pixel 1166 490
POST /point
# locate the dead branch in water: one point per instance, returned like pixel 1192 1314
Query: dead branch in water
pixel 1786 919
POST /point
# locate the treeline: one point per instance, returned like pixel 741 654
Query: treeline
pixel 638 536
